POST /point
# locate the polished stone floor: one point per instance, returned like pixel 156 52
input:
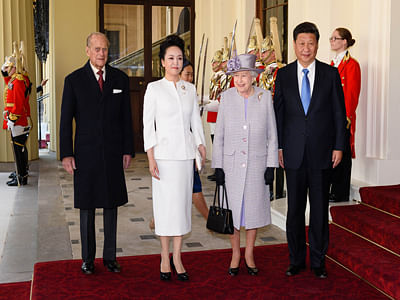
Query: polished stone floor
pixel 38 221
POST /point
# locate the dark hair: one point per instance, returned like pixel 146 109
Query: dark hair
pixel 186 63
pixel 306 27
pixel 346 34
pixel 171 40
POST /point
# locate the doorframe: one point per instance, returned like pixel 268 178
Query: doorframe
pixel 148 4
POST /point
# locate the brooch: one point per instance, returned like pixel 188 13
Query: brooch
pixel 260 95
pixel 10 86
pixel 183 87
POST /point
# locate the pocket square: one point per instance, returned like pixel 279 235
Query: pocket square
pixel 117 91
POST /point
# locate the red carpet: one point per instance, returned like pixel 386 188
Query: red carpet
pixel 377 266
pixel 208 279
pixel 372 224
pixel 386 197
pixel 370 245
pixel 15 290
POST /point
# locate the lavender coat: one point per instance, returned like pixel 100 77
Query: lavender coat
pixel 244 149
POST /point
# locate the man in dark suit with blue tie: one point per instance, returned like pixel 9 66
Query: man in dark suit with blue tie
pixel 96 97
pixel 311 118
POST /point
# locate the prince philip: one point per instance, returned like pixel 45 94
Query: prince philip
pixel 96 97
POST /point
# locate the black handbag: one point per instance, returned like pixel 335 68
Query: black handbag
pixel 220 218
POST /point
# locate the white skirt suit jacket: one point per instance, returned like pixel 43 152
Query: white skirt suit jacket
pixel 173 127
pixel 244 149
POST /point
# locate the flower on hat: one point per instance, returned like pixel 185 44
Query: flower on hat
pixel 233 64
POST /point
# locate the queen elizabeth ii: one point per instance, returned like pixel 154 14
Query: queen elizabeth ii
pixel 245 151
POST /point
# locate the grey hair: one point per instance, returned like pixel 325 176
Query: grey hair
pixel 253 74
pixel 89 38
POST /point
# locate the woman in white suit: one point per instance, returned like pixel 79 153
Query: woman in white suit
pixel 245 151
pixel 172 132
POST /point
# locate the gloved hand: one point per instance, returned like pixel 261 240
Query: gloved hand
pixel 10 124
pixel 269 176
pixel 219 176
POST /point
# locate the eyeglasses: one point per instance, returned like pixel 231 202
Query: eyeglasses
pixel 334 38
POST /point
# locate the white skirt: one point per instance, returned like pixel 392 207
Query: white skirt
pixel 172 197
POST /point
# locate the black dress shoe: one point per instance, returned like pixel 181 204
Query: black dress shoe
pixel 12 175
pixel 181 276
pixel 14 181
pixel 294 270
pixel 251 271
pixel 320 272
pixel 112 266
pixel 87 267
pixel 233 271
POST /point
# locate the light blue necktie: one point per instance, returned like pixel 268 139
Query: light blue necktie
pixel 305 91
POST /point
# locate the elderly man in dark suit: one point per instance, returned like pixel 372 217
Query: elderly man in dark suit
pixel 96 96
pixel 311 118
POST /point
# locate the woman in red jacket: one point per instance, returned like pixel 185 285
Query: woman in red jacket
pixel 350 75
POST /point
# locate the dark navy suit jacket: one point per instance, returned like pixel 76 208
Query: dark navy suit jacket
pixel 320 131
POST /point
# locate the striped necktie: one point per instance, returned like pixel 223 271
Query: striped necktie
pixel 101 80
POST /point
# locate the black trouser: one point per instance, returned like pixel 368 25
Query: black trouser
pixel 21 154
pixel 316 183
pixel 88 233
pixel 341 175
pixel 279 180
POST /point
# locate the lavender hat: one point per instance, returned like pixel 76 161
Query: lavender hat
pixel 242 62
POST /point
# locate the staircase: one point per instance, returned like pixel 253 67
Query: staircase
pixel 365 238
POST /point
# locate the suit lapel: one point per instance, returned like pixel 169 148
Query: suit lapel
pixel 293 79
pixel 93 85
pixel 317 83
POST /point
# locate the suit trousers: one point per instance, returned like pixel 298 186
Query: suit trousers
pixel 341 175
pixel 88 233
pixel 315 183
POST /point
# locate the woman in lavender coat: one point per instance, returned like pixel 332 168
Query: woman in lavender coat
pixel 245 151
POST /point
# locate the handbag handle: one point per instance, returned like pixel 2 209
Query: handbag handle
pixel 224 196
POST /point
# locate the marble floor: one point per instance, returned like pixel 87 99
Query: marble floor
pixel 38 221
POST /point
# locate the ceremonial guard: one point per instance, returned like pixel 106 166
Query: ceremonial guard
pixel 271 60
pixel 16 112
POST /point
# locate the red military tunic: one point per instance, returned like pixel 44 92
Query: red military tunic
pixel 16 99
pixel 350 75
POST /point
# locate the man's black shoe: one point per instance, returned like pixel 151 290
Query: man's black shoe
pixel 87 267
pixel 320 272
pixel 12 175
pixel 14 181
pixel 334 199
pixel 294 270
pixel 112 266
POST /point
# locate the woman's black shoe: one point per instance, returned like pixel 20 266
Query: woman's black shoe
pixel 252 271
pixel 233 271
pixel 165 276
pixel 181 276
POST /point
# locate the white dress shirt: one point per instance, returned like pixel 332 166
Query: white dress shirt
pixel 311 76
pixel 338 58
pixel 95 70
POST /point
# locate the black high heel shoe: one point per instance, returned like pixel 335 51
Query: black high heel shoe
pixel 181 276
pixel 165 276
pixel 252 271
pixel 233 271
